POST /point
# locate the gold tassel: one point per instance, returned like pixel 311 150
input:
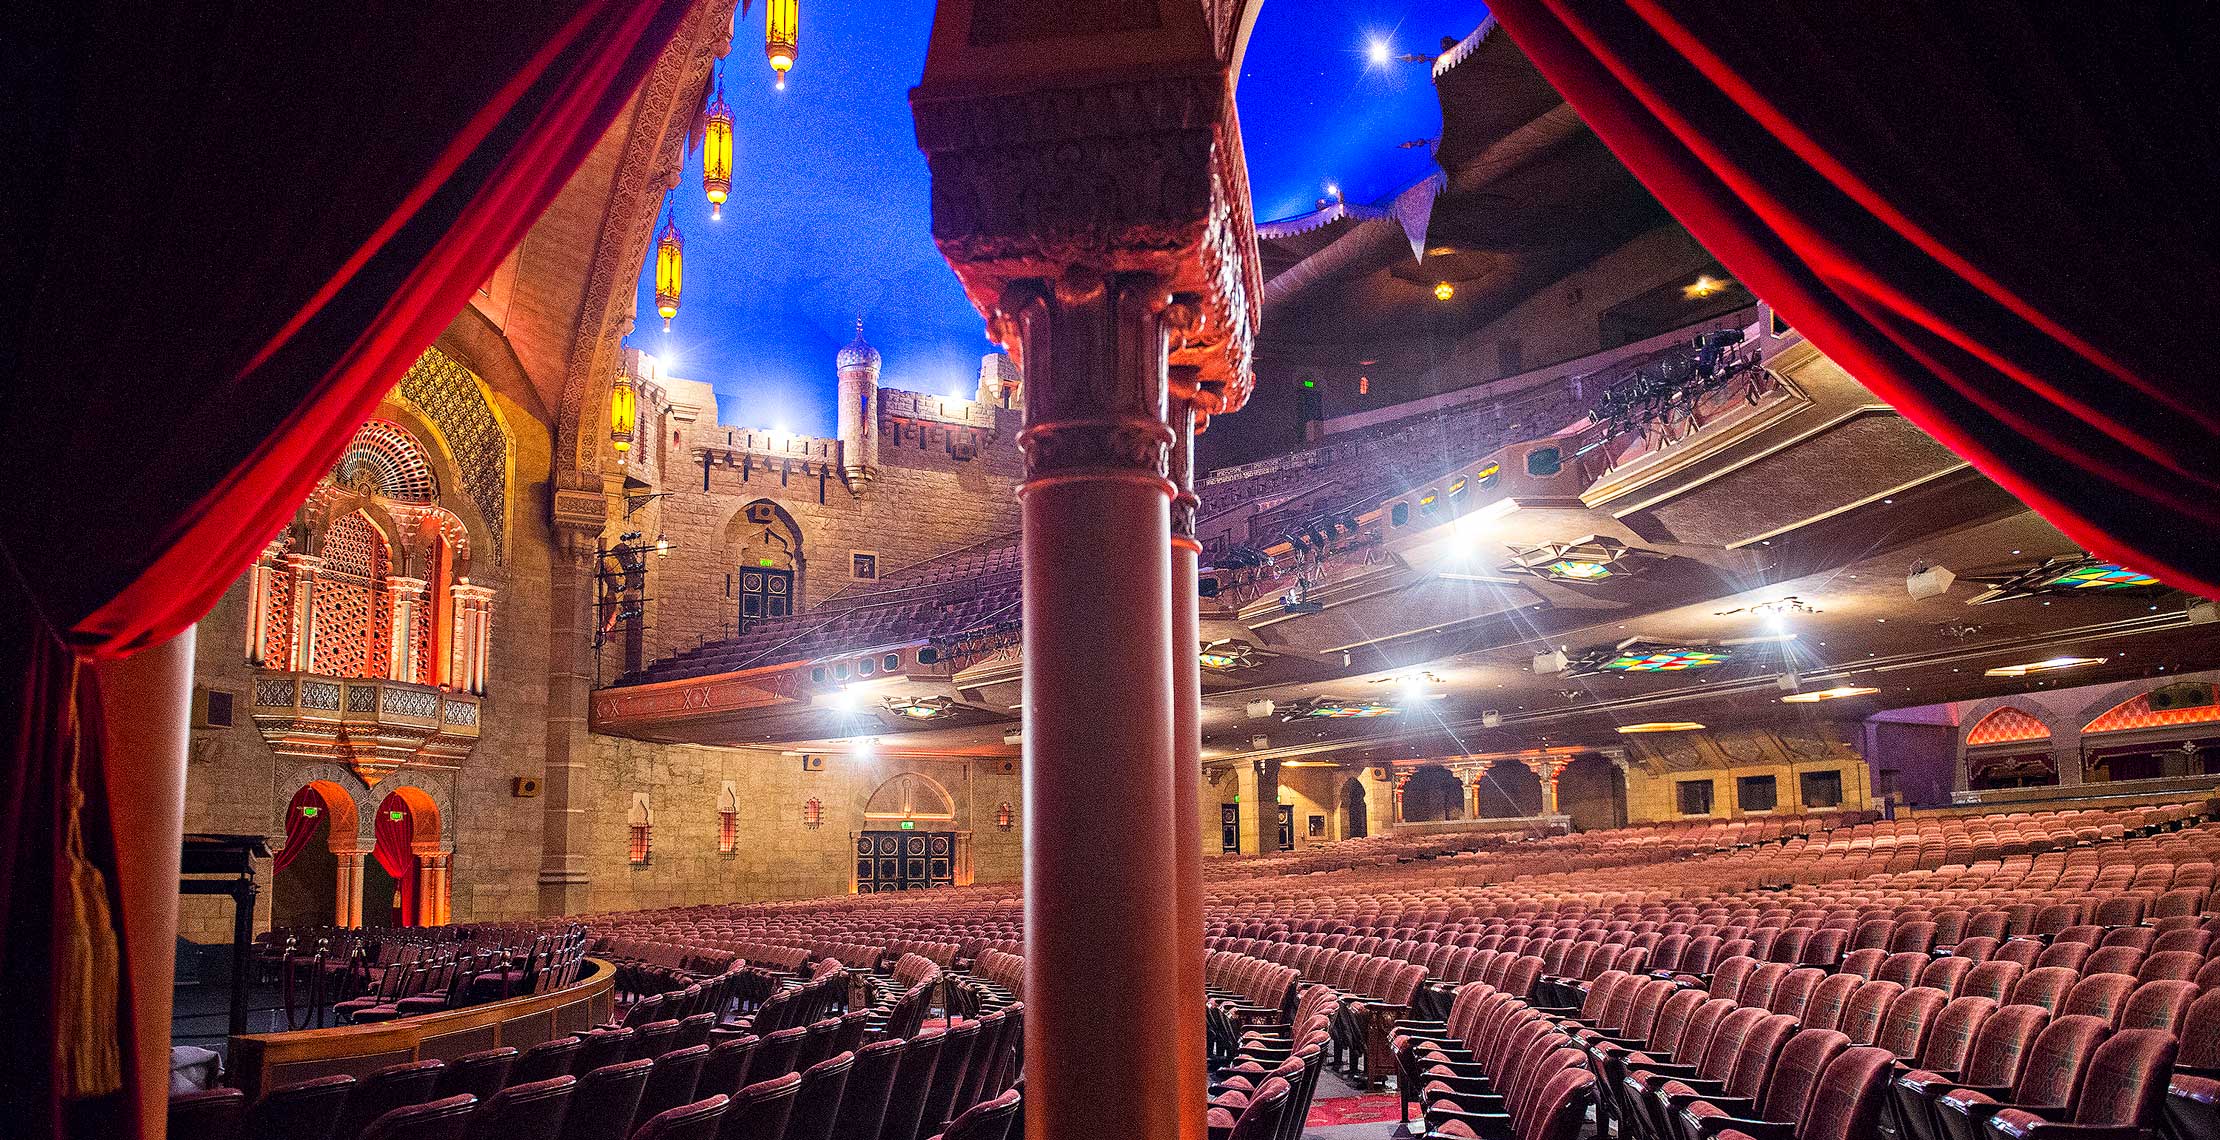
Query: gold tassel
pixel 87 973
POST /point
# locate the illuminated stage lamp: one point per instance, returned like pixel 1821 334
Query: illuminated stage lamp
pixel 624 412
pixel 716 151
pixel 781 22
pixel 1443 291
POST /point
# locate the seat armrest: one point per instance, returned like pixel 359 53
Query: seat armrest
pixel 1708 1126
pixel 2023 1124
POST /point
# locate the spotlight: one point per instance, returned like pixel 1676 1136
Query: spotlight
pixel 841 700
pixel 1379 52
pixel 1491 718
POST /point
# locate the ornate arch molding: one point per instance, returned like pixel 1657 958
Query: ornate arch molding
pixel 364 799
pixel 654 149
pixel 433 789
pixel 2117 695
pixel 2061 726
pixel 470 444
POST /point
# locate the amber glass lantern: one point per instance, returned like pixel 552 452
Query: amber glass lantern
pixel 716 151
pixel 624 412
pixel 670 249
pixel 781 18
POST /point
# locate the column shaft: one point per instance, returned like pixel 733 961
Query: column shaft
pixel 1103 948
pixel 1186 640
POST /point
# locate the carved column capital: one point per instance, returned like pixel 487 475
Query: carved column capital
pixel 1098 399
pixel 1128 172
pixel 1184 500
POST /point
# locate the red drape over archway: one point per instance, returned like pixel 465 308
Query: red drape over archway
pixel 395 852
pixel 248 220
pixel 1984 210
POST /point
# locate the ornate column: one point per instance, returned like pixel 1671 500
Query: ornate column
pixel 469 640
pixel 434 892
pixel 1187 735
pixel 1075 192
pixel 347 892
pixel 2067 755
pixel 303 568
pixel 258 610
pixel 405 597
pixel 563 876
pixel 1549 770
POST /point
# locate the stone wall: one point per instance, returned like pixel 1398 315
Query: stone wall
pixel 776 856
pixel 1659 763
pixel 922 502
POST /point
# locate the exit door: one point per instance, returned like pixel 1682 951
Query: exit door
pixel 1287 827
pixel 1229 829
pixel 765 595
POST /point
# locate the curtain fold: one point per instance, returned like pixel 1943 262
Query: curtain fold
pixel 1982 210
pixel 300 827
pixel 249 219
pixel 394 851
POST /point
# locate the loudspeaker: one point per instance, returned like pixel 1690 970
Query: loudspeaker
pixel 1260 742
pixel 1258 710
pixel 1379 773
pixel 813 763
pixel 524 787
pixel 1008 767
pixel 1929 582
pixel 1206 587
pixel 1553 661
pixel 2187 695
pixel 1491 718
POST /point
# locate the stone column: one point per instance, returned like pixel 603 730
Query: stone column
pixel 1075 192
pixel 347 894
pixel 434 897
pixel 1549 771
pixel 563 875
pixel 471 636
pixel 1263 809
pixel 406 597
pixel 303 568
pixel 1187 742
pixel 258 611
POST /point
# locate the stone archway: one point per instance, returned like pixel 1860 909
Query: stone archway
pixel 410 848
pixel 1433 793
pixel 317 879
pixel 1591 791
pixel 912 805
pixel 1508 790
pixel 770 570
pixel 1354 823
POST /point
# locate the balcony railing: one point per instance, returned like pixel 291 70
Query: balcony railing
pixel 371 725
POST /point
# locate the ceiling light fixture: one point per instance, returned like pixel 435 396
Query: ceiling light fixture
pixel 1835 694
pixel 1443 290
pixel 1661 726
pixel 2051 665
pixel 1703 286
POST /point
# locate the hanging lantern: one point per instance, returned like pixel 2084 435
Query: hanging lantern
pixel 716 151
pixel 670 249
pixel 624 412
pixel 780 21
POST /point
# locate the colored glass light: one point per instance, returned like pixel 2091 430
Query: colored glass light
pixel 1349 711
pixel 1665 661
pixel 2102 576
pixel 624 412
pixel 716 150
pixel 1578 571
pixel 781 28
pixel 670 254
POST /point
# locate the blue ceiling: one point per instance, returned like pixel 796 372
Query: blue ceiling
pixel 829 218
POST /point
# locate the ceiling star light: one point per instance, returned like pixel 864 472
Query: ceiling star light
pixel 1837 693
pixel 1443 290
pixel 921 708
pixel 1379 52
pixel 2051 665
pixel 1661 726
pixel 2070 574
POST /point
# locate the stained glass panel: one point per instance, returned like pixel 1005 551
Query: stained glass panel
pixel 1665 661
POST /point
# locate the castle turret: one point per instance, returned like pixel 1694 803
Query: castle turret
pixel 998 381
pixel 858 365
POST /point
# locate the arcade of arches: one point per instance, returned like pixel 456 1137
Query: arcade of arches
pixel 560 633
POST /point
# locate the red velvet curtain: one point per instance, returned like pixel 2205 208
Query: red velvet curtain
pixel 248 219
pixel 1984 210
pixel 394 851
pixel 300 827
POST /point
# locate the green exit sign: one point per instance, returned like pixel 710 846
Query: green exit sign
pixel 909 825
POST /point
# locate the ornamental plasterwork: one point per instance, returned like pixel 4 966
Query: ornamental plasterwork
pixel 450 394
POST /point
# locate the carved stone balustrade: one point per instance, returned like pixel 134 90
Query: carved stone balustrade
pixel 371 725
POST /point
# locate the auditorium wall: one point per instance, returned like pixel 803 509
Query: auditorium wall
pixel 777 854
pixel 236 784
pixel 1659 764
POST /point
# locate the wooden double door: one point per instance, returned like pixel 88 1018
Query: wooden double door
pixel 904 860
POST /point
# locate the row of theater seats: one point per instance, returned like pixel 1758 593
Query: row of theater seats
pixel 693 1062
